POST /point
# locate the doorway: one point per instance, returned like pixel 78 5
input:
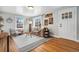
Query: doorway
pixel 30 27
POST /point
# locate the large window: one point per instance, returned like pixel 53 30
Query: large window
pixel 20 22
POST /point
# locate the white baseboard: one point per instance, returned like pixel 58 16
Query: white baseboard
pixel 65 38
pixel 56 36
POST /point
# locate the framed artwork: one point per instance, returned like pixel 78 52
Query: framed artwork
pixel 66 15
pixel 50 20
pixel 70 14
pixel 63 16
pixel 46 22
pixel 48 15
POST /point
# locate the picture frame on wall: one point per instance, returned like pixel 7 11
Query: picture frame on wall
pixel 66 15
pixel 48 15
pixel 70 14
pixel 51 20
pixel 63 16
pixel 46 22
pixel 48 19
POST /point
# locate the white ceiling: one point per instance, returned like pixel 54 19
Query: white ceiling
pixel 23 10
pixel 40 10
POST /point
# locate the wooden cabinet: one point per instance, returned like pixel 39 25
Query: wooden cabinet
pixel 3 42
pixel 46 32
pixel 7 44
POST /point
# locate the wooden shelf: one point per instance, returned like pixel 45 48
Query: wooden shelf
pixel 45 32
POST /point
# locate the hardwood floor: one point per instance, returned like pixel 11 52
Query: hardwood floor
pixel 58 45
pixel 53 45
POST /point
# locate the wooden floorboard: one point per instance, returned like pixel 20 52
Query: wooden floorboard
pixel 58 45
pixel 52 45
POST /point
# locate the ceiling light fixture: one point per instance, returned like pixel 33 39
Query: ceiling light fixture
pixel 30 7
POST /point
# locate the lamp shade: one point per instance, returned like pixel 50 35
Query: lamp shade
pixel 30 7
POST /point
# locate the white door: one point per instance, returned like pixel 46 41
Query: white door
pixel 67 27
pixel 62 26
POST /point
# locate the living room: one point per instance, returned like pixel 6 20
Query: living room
pixel 23 23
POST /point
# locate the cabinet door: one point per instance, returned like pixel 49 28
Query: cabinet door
pixel 5 44
pixel 1 45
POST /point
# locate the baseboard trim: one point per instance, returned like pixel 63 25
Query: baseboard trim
pixel 64 38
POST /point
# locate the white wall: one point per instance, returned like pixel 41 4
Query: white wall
pixel 68 29
pixel 78 23
pixel 69 26
pixel 7 26
pixel 12 25
pixel 54 27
